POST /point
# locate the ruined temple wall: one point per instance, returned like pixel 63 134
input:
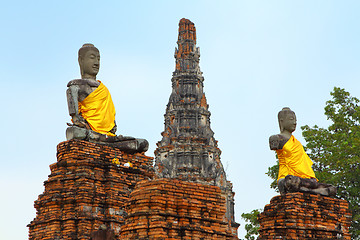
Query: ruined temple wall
pixel 174 209
pixel 85 190
pixel 305 216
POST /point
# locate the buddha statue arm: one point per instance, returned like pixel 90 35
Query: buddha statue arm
pixel 277 142
pixel 72 94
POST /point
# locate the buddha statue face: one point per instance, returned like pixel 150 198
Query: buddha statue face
pixel 287 120
pixel 89 61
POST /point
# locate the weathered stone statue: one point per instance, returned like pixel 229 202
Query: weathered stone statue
pixel 92 109
pixel 295 172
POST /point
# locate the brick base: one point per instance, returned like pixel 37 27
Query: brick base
pixel 305 216
pixel 174 209
pixel 86 190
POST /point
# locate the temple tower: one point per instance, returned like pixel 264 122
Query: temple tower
pixel 189 198
pixel 188 149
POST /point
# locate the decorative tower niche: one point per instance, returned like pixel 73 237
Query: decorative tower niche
pixel 188 149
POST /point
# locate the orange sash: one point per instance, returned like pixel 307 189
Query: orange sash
pixel 293 160
pixel 98 110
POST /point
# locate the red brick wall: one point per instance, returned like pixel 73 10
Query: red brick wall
pixel 305 216
pixel 175 209
pixel 85 190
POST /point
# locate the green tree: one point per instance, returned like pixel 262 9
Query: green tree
pixel 335 151
pixel 273 174
pixel 252 226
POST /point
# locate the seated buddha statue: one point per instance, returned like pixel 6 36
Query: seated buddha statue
pixel 91 107
pixel 295 166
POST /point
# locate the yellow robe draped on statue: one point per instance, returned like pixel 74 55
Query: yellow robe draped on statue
pixel 98 110
pixel 293 160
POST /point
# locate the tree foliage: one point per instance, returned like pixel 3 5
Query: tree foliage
pixel 252 226
pixel 335 151
pixel 273 174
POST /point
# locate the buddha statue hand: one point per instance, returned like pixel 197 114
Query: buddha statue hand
pixel 79 121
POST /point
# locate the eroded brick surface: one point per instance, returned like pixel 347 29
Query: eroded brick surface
pixel 305 216
pixel 85 190
pixel 175 209
pixel 186 46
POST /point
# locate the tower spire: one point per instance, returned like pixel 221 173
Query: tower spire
pixel 187 54
pixel 188 149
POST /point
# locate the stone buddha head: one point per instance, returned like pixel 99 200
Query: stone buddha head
pixel 287 120
pixel 89 61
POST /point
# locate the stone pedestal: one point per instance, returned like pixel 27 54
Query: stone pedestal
pixel 305 216
pixel 86 190
pixel 174 209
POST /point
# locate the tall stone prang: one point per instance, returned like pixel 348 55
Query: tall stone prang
pixel 189 197
pixel 188 149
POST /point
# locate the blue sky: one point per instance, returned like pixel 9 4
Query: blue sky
pixel 256 56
